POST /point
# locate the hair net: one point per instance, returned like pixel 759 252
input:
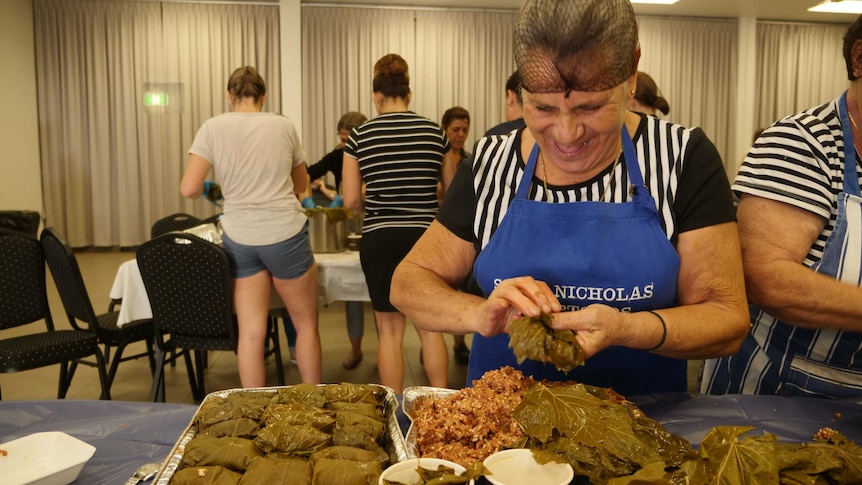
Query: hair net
pixel 575 45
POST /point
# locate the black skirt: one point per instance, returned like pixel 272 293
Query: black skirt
pixel 380 251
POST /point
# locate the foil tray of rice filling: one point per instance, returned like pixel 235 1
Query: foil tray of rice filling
pixel 328 433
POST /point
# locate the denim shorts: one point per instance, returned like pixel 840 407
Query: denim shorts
pixel 286 260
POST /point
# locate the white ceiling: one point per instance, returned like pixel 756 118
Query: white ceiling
pixel 794 10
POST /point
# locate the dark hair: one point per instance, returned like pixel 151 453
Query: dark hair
pixel 390 76
pixel 245 82
pixel 351 120
pixel 853 34
pixel 514 84
pixel 647 93
pixel 575 45
pixel 452 114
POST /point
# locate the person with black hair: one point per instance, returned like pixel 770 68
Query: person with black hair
pixel 647 99
pixel 514 108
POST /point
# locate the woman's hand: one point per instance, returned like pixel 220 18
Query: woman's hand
pixel 596 327
pixel 512 299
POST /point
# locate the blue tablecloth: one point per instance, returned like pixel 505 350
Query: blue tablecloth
pixel 128 434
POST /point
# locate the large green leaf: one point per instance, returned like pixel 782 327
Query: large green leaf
pixel 533 338
pixel 740 462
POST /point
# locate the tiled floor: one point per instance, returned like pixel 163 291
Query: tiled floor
pixel 133 379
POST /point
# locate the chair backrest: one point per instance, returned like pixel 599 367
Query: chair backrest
pixel 188 283
pixel 174 222
pixel 67 277
pixel 23 295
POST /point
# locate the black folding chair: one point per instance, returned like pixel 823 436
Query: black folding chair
pixel 76 301
pixel 23 301
pixel 174 222
pixel 188 282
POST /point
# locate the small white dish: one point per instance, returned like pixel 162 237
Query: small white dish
pixel 405 471
pixel 517 466
pixel 49 458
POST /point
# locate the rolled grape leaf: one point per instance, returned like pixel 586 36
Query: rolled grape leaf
pixel 302 440
pixel 345 472
pixel 206 475
pixel 242 427
pixel 299 413
pixel 289 471
pixel 354 393
pixel 533 338
pixel 300 393
pixel 233 453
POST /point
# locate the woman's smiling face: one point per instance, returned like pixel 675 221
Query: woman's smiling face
pixel 579 132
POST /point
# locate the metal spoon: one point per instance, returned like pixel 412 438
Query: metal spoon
pixel 144 473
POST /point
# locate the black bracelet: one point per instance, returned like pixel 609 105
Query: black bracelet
pixel 663 332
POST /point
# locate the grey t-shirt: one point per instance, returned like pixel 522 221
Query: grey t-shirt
pixel 253 155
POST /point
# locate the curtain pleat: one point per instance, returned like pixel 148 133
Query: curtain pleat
pixel 339 49
pixel 799 66
pixel 693 62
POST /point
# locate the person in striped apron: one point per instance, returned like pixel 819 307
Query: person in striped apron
pixel 800 223
pixel 621 225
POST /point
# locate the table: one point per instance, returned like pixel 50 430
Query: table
pixel 340 279
pixel 125 434
pixel 128 434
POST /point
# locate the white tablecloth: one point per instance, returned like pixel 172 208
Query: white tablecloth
pixel 340 278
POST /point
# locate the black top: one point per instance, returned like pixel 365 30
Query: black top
pixel 331 162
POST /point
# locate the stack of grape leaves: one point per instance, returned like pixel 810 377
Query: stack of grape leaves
pixel 608 440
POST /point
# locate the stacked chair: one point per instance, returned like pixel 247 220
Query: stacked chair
pixel 23 302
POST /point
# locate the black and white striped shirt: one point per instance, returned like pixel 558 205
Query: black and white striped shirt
pixel 680 166
pixel 400 156
pixel 799 160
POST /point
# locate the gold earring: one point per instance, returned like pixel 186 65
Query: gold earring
pixel 632 92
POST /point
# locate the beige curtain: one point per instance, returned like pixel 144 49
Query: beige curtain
pixel 799 66
pixel 89 81
pixel 339 49
pixel 464 59
pixel 111 163
pixel 694 64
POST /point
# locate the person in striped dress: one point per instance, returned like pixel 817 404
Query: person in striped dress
pixel 619 225
pixel 392 165
pixel 800 224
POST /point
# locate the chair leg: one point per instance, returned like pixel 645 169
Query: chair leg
pixel 201 358
pixel 64 380
pixel 150 354
pixel 190 369
pixel 276 347
pixel 103 375
pixel 157 392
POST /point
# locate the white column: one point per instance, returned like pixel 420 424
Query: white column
pixel 291 61
pixel 746 75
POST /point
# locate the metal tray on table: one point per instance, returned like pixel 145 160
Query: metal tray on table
pixel 410 395
pixel 396 445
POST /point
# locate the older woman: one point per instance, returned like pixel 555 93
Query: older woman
pixel 801 234
pixel 630 244
pixel 259 161
pixel 398 158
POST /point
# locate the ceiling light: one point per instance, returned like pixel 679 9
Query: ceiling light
pixel 661 2
pixel 838 6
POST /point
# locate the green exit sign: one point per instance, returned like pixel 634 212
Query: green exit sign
pixel 155 99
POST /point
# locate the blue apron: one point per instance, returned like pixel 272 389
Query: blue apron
pixel 778 358
pixel 616 254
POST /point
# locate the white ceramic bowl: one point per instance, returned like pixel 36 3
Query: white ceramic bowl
pixel 49 458
pixel 405 471
pixel 517 467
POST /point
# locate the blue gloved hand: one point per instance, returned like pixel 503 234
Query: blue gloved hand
pixel 212 191
pixel 308 203
pixel 336 202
